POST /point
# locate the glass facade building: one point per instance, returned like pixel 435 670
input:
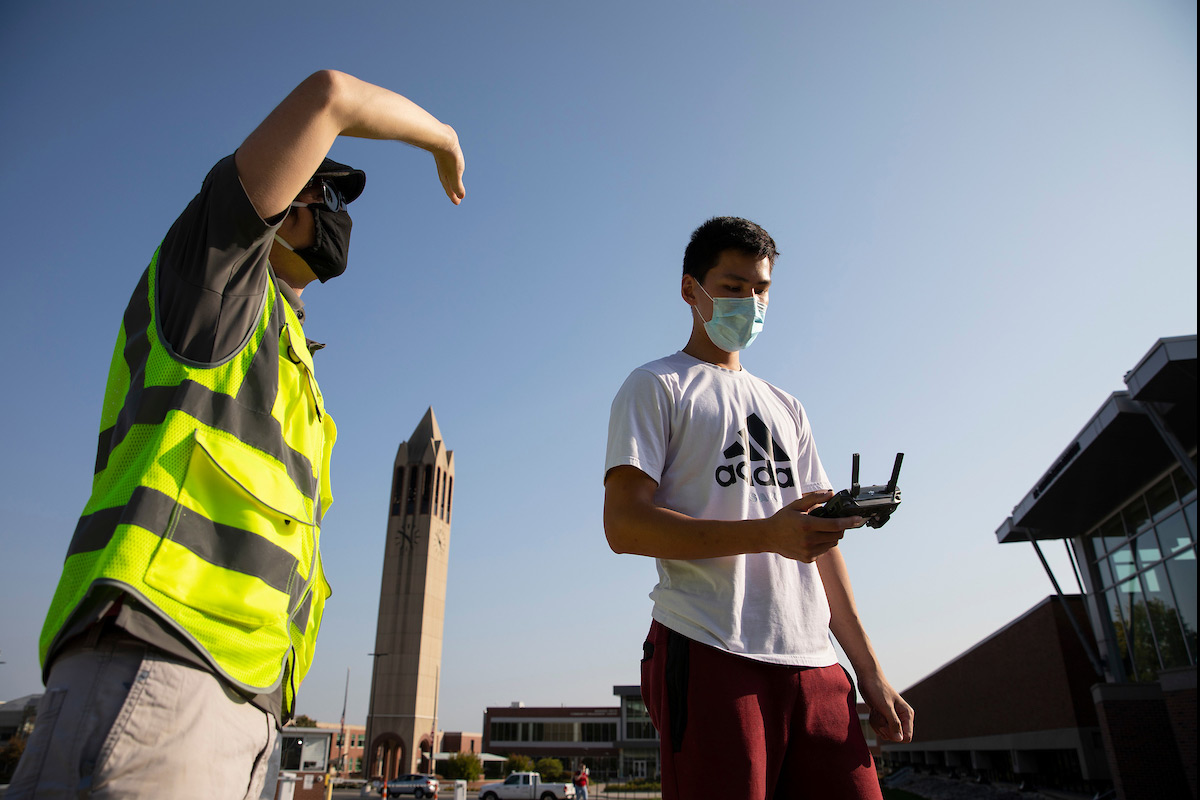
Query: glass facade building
pixel 1142 570
pixel 1122 498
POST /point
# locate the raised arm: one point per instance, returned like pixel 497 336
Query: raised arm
pixel 634 523
pixel 281 155
pixel 891 717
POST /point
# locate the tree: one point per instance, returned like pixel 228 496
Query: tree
pixel 518 763
pixel 551 769
pixel 304 721
pixel 10 754
pixel 464 766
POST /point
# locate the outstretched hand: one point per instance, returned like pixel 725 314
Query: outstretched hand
pixel 806 538
pixel 450 166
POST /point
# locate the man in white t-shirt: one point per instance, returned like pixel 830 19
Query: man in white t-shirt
pixel 712 471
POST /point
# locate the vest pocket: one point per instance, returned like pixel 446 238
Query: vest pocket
pixel 308 621
pixel 239 536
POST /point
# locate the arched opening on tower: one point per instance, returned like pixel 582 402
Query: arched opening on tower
pixel 387 757
pixel 427 764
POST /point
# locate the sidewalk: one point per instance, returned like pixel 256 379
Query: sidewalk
pixel 936 787
pixel 599 791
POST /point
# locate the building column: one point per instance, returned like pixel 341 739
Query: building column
pixel 1136 728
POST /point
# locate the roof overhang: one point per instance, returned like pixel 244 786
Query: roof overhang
pixel 1166 374
pixel 1117 453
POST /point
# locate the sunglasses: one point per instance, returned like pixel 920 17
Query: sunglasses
pixel 331 198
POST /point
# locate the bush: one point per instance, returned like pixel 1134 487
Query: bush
pixel 518 763
pixel 463 766
pixel 636 785
pixel 551 769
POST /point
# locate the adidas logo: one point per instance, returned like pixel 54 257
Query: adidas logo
pixel 760 457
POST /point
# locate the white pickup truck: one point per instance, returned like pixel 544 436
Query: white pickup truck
pixel 526 786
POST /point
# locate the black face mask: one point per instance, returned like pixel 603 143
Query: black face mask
pixel 329 256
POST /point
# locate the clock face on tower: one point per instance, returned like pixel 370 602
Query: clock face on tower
pixel 407 537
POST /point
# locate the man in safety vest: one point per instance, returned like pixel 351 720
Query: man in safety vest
pixel 192 592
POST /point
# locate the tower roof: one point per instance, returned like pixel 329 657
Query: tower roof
pixel 426 429
pixel 425 443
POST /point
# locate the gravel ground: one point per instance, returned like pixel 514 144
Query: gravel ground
pixel 933 787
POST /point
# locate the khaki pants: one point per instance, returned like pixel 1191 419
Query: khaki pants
pixel 121 720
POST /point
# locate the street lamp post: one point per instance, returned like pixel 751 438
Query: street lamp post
pixel 371 765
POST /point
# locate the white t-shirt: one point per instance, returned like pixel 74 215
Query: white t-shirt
pixel 729 446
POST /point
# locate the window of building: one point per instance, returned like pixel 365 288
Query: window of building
pixel 506 732
pixel 639 729
pixel 637 719
pixel 558 732
pixel 598 731
pixel 1109 536
pixel 1144 560
pixel 304 753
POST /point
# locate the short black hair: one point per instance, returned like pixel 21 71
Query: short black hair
pixel 725 233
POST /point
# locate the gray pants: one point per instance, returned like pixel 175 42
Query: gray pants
pixel 121 720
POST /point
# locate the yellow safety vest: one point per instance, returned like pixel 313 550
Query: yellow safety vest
pixel 211 481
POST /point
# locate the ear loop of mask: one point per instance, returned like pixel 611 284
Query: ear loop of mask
pixel 278 238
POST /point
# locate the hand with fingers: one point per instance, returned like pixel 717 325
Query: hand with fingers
pixel 891 717
pixel 800 535
pixel 450 167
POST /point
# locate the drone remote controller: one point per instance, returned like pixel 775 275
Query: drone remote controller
pixel 873 503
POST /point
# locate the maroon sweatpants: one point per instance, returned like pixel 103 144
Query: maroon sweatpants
pixel 734 727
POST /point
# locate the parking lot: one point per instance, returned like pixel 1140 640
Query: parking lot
pixel 594 793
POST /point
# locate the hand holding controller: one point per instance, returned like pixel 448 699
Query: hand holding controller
pixel 873 503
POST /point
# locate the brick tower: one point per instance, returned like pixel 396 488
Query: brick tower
pixel 412 603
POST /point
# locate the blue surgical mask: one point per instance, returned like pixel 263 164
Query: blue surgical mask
pixel 736 321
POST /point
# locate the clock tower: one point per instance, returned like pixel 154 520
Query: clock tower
pixel 402 714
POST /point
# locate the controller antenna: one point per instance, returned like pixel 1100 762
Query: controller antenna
pixel 854 488
pixel 891 487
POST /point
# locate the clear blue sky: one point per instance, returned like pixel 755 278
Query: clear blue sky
pixel 987 214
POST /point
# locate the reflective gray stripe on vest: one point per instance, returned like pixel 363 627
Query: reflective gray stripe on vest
pixel 247 417
pixel 221 545
pixel 207 407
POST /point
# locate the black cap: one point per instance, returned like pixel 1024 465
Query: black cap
pixel 348 180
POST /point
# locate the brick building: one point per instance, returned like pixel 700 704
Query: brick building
pixel 571 734
pixel 1016 705
pixel 351 749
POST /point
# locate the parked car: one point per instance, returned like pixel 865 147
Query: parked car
pixel 526 786
pixel 419 786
